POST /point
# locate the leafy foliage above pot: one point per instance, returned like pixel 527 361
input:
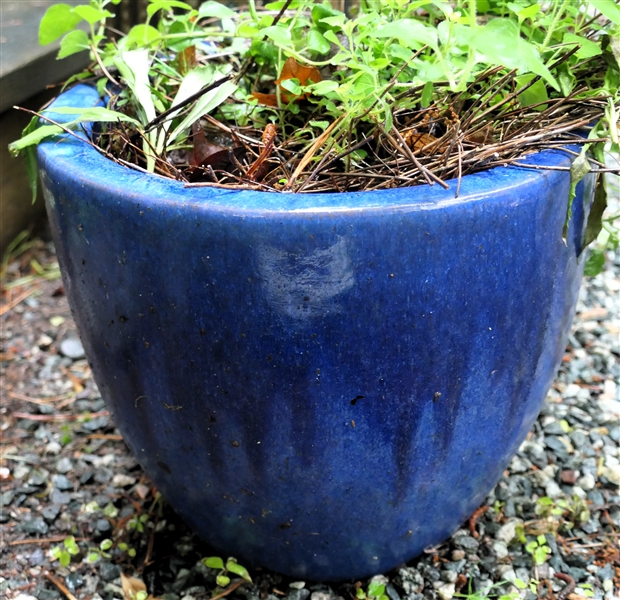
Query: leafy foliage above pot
pixel 297 96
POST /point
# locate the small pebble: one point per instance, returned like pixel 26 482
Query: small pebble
pixel 64 465
pixel 53 448
pixel 72 348
pixel 35 525
pixel 122 480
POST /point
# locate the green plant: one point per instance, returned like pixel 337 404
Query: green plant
pixel 538 549
pixel 303 98
pixel 375 591
pixel 484 594
pixel 532 585
pixel 563 513
pixel 94 554
pixel 64 552
pixel 124 547
pixel 230 566
pixel 546 508
pixel 66 435
pixel 137 523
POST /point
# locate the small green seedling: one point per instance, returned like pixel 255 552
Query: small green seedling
pixel 94 554
pixel 110 511
pixel 547 508
pixel 486 593
pixel 64 553
pixel 66 436
pixel 123 547
pixel 586 590
pixel 231 566
pixel 137 523
pixel 532 585
pixel 538 549
pixel 375 591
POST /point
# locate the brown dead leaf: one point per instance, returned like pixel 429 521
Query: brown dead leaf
pixel 419 141
pixel 187 59
pixel 134 589
pixel 291 70
pixel 295 70
pixel 78 384
pixel 483 136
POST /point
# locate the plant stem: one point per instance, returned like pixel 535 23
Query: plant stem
pixel 551 30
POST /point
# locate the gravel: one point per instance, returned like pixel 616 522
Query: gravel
pixel 62 477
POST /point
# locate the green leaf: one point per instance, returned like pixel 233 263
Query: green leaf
pixel 110 510
pixel 247 31
pixel 336 23
pixel 142 35
pixel 375 589
pixel 427 94
pixel 587 48
pixel 64 559
pixel 499 40
pixel 409 32
pixel 33 138
pixel 566 79
pixel 74 42
pixel 321 124
pixel 92 15
pixel 535 94
pixel 206 104
pixel 215 9
pixel 379 63
pixel 579 168
pixel 134 66
pixel 360 594
pixel 595 218
pixel 94 114
pixel 520 583
pixel 57 20
pixel 151 9
pixel 324 11
pixel 523 12
pixel 607 8
pixel 222 580
pixel 279 34
pixel 234 567
pixel 316 41
pixel 279 5
pixel 30 158
pixel 292 85
pixel 105 544
pixel 213 562
pixel 92 557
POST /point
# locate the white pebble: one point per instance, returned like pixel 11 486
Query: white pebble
pixel 586 482
pixel 571 391
pixel 506 533
pixel 122 480
pixel 53 448
pixel 297 585
pixel 445 591
pixel 552 489
pixel 500 548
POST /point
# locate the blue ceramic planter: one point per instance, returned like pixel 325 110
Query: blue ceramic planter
pixel 320 384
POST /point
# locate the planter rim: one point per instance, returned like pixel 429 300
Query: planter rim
pixel 80 161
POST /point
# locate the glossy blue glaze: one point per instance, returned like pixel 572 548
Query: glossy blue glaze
pixel 320 384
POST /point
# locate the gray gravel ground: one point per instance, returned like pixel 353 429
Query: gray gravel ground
pixel 65 471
